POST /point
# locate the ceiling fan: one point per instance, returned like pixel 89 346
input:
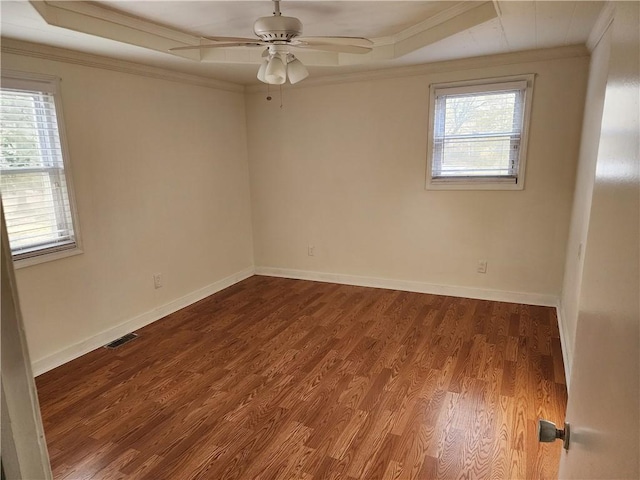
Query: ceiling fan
pixel 280 34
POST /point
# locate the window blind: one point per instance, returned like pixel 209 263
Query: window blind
pixel 477 134
pixel 33 184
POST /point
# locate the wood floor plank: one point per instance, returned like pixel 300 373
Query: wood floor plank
pixel 280 379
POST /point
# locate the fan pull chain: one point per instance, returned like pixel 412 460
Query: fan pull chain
pixel 280 96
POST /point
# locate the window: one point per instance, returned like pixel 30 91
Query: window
pixel 34 170
pixel 477 137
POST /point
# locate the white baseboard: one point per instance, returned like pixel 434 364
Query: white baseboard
pixel 413 286
pixel 78 349
pixel 567 354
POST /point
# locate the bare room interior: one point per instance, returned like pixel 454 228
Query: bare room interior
pixel 320 239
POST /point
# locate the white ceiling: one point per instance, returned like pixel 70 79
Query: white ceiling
pixel 512 26
pixel 365 19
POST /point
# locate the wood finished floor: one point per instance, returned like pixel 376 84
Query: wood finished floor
pixel 278 379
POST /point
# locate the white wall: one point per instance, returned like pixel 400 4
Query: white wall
pixel 605 379
pixel 342 167
pixel 162 185
pixel 585 177
pixel 161 181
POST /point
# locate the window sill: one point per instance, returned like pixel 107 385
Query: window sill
pixel 47 257
pixel 473 185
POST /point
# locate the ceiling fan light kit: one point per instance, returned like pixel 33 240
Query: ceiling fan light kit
pixel 279 65
pixel 276 72
pixel 280 34
pixel 296 70
pixel 262 70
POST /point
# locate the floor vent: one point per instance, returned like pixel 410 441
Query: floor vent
pixel 121 341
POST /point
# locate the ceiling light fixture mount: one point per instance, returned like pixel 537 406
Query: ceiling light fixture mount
pixel 277 27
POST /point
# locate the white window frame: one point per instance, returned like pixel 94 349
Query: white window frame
pixel 480 86
pixel 50 84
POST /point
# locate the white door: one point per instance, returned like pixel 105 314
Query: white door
pixel 24 450
pixel 603 407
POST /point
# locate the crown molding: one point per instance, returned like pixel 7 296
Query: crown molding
pixel 461 18
pixel 496 5
pixel 431 22
pixel 28 49
pixel 45 52
pixel 602 24
pixel 526 56
pixel 86 9
pixel 105 22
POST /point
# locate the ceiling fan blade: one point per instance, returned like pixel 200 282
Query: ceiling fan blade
pixel 356 41
pixel 327 47
pixel 218 45
pixel 232 39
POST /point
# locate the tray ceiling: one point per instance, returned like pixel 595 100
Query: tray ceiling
pixel 404 33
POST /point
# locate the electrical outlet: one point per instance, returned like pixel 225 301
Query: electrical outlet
pixel 311 250
pixel 482 266
pixel 157 280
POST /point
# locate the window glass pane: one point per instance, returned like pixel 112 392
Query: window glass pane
pixel 32 176
pixel 480 114
pixel 29 130
pixel 477 157
pixel 32 212
pixel 477 134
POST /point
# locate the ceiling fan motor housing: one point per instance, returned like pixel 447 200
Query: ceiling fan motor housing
pixel 277 28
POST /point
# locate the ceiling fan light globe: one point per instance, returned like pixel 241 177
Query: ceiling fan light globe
pixel 276 72
pixel 297 71
pixel 262 70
